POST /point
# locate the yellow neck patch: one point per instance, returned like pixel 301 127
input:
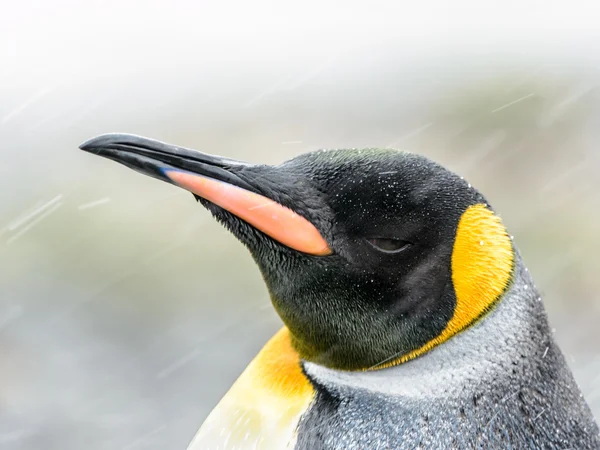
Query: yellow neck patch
pixel 262 409
pixel 277 368
pixel 482 266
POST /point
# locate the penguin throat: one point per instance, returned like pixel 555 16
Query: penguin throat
pixel 482 269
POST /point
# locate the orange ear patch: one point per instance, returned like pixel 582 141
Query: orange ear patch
pixel 482 265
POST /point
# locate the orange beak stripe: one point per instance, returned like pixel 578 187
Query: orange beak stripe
pixel 264 214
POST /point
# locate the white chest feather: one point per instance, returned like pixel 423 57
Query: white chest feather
pixel 262 409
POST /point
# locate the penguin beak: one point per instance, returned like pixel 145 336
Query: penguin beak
pixel 214 179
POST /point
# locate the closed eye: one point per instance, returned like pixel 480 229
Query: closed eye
pixel 388 245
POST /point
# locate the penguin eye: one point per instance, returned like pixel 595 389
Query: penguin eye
pixel 388 245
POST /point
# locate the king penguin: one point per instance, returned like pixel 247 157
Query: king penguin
pixel 410 319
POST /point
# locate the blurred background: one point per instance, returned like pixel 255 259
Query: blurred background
pixel 126 312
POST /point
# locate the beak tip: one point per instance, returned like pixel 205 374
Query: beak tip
pixel 87 145
pixel 103 140
pixel 96 143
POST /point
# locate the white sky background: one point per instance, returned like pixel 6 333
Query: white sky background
pixel 43 42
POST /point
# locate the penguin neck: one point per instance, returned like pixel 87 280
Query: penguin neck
pixel 516 329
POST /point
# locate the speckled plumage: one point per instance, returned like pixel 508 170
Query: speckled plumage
pixel 502 384
pixel 450 307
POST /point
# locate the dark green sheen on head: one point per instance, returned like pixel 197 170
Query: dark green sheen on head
pixel 361 306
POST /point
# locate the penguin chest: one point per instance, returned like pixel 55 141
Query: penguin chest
pixel 489 417
pixel 263 408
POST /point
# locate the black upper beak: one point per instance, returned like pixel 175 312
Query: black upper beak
pixel 215 179
pixel 153 158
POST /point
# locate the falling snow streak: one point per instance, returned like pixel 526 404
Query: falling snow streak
pixel 93 204
pixel 514 102
pixel 290 82
pixel 26 104
pixel 201 346
pixel 36 210
pixel 409 135
pixel 562 108
pixel 29 220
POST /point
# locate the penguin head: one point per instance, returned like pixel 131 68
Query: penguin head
pixel 371 257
